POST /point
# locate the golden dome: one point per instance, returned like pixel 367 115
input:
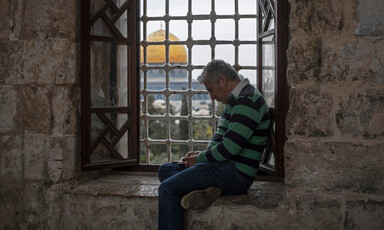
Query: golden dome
pixel 156 53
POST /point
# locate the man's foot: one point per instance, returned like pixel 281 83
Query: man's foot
pixel 200 199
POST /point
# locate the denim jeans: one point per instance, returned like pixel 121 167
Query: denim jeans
pixel 177 181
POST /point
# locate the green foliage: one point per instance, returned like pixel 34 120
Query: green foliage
pixel 183 127
pixel 219 108
pixel 202 130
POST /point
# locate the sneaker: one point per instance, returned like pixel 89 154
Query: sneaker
pixel 200 199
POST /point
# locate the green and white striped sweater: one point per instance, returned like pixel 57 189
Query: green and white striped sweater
pixel 242 132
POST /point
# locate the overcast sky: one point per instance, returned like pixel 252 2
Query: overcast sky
pixel 201 30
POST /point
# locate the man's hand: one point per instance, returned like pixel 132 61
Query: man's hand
pixel 189 160
pixel 192 153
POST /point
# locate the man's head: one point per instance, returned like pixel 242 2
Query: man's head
pixel 219 78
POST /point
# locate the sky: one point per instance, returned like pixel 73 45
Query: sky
pixel 201 30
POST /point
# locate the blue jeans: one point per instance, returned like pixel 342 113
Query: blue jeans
pixel 177 181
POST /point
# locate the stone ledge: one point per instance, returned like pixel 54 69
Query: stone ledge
pixel 118 185
pixel 262 194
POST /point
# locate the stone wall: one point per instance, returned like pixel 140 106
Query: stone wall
pixel 39 113
pixel 335 125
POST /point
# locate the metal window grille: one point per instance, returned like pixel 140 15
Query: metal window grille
pixel 168 118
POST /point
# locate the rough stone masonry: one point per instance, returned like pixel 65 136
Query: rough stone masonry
pixel 335 125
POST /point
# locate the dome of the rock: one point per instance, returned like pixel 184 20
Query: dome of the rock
pixel 156 53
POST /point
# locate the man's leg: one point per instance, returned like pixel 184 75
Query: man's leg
pixel 200 199
pixel 197 177
pixel 230 182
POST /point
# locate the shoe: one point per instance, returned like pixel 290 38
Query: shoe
pixel 200 199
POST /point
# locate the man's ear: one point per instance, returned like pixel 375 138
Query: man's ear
pixel 224 79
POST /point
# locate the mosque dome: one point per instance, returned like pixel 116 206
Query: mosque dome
pixel 156 53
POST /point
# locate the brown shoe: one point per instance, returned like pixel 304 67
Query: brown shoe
pixel 200 199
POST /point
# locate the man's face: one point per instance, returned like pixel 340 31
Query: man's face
pixel 218 91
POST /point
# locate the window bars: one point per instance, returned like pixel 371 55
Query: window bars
pixel 190 90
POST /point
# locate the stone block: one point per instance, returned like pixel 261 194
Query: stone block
pixel 66 70
pixel 37 115
pixel 359 63
pixel 304 60
pixel 69 146
pixel 35 206
pixel 11 157
pixel 361 115
pixel 37 148
pixel 378 64
pixel 310 114
pixel 4 60
pixel 108 212
pixel 232 217
pixel 263 195
pixel 258 209
pixel 63 19
pixel 54 199
pixel 65 110
pixel 11 200
pixel 8 112
pixel 53 158
pixel 370 18
pixel 45 20
pixel 309 211
pixel 5 18
pixel 335 60
pixel 55 163
pixel 315 17
pixel 16 11
pixel 31 63
pixel 313 165
pixel 364 214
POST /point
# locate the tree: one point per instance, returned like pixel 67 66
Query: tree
pixel 183 130
pixel 156 130
pixel 219 108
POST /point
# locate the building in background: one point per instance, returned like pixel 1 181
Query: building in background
pixel 178 78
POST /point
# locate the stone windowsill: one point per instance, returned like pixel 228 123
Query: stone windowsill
pixel 262 194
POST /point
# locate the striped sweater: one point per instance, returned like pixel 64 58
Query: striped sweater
pixel 242 132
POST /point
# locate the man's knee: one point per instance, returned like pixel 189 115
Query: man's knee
pixel 164 170
pixel 165 167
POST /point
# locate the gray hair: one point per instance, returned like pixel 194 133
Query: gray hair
pixel 214 69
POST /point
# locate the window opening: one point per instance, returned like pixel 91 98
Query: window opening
pixel 209 30
pixel 172 113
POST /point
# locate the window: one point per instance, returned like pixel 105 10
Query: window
pixel 109 84
pixel 160 48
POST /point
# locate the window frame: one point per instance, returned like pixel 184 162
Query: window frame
pixel 131 41
pixel 278 112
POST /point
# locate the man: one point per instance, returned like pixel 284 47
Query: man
pixel 230 162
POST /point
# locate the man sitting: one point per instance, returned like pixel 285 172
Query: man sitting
pixel 231 160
